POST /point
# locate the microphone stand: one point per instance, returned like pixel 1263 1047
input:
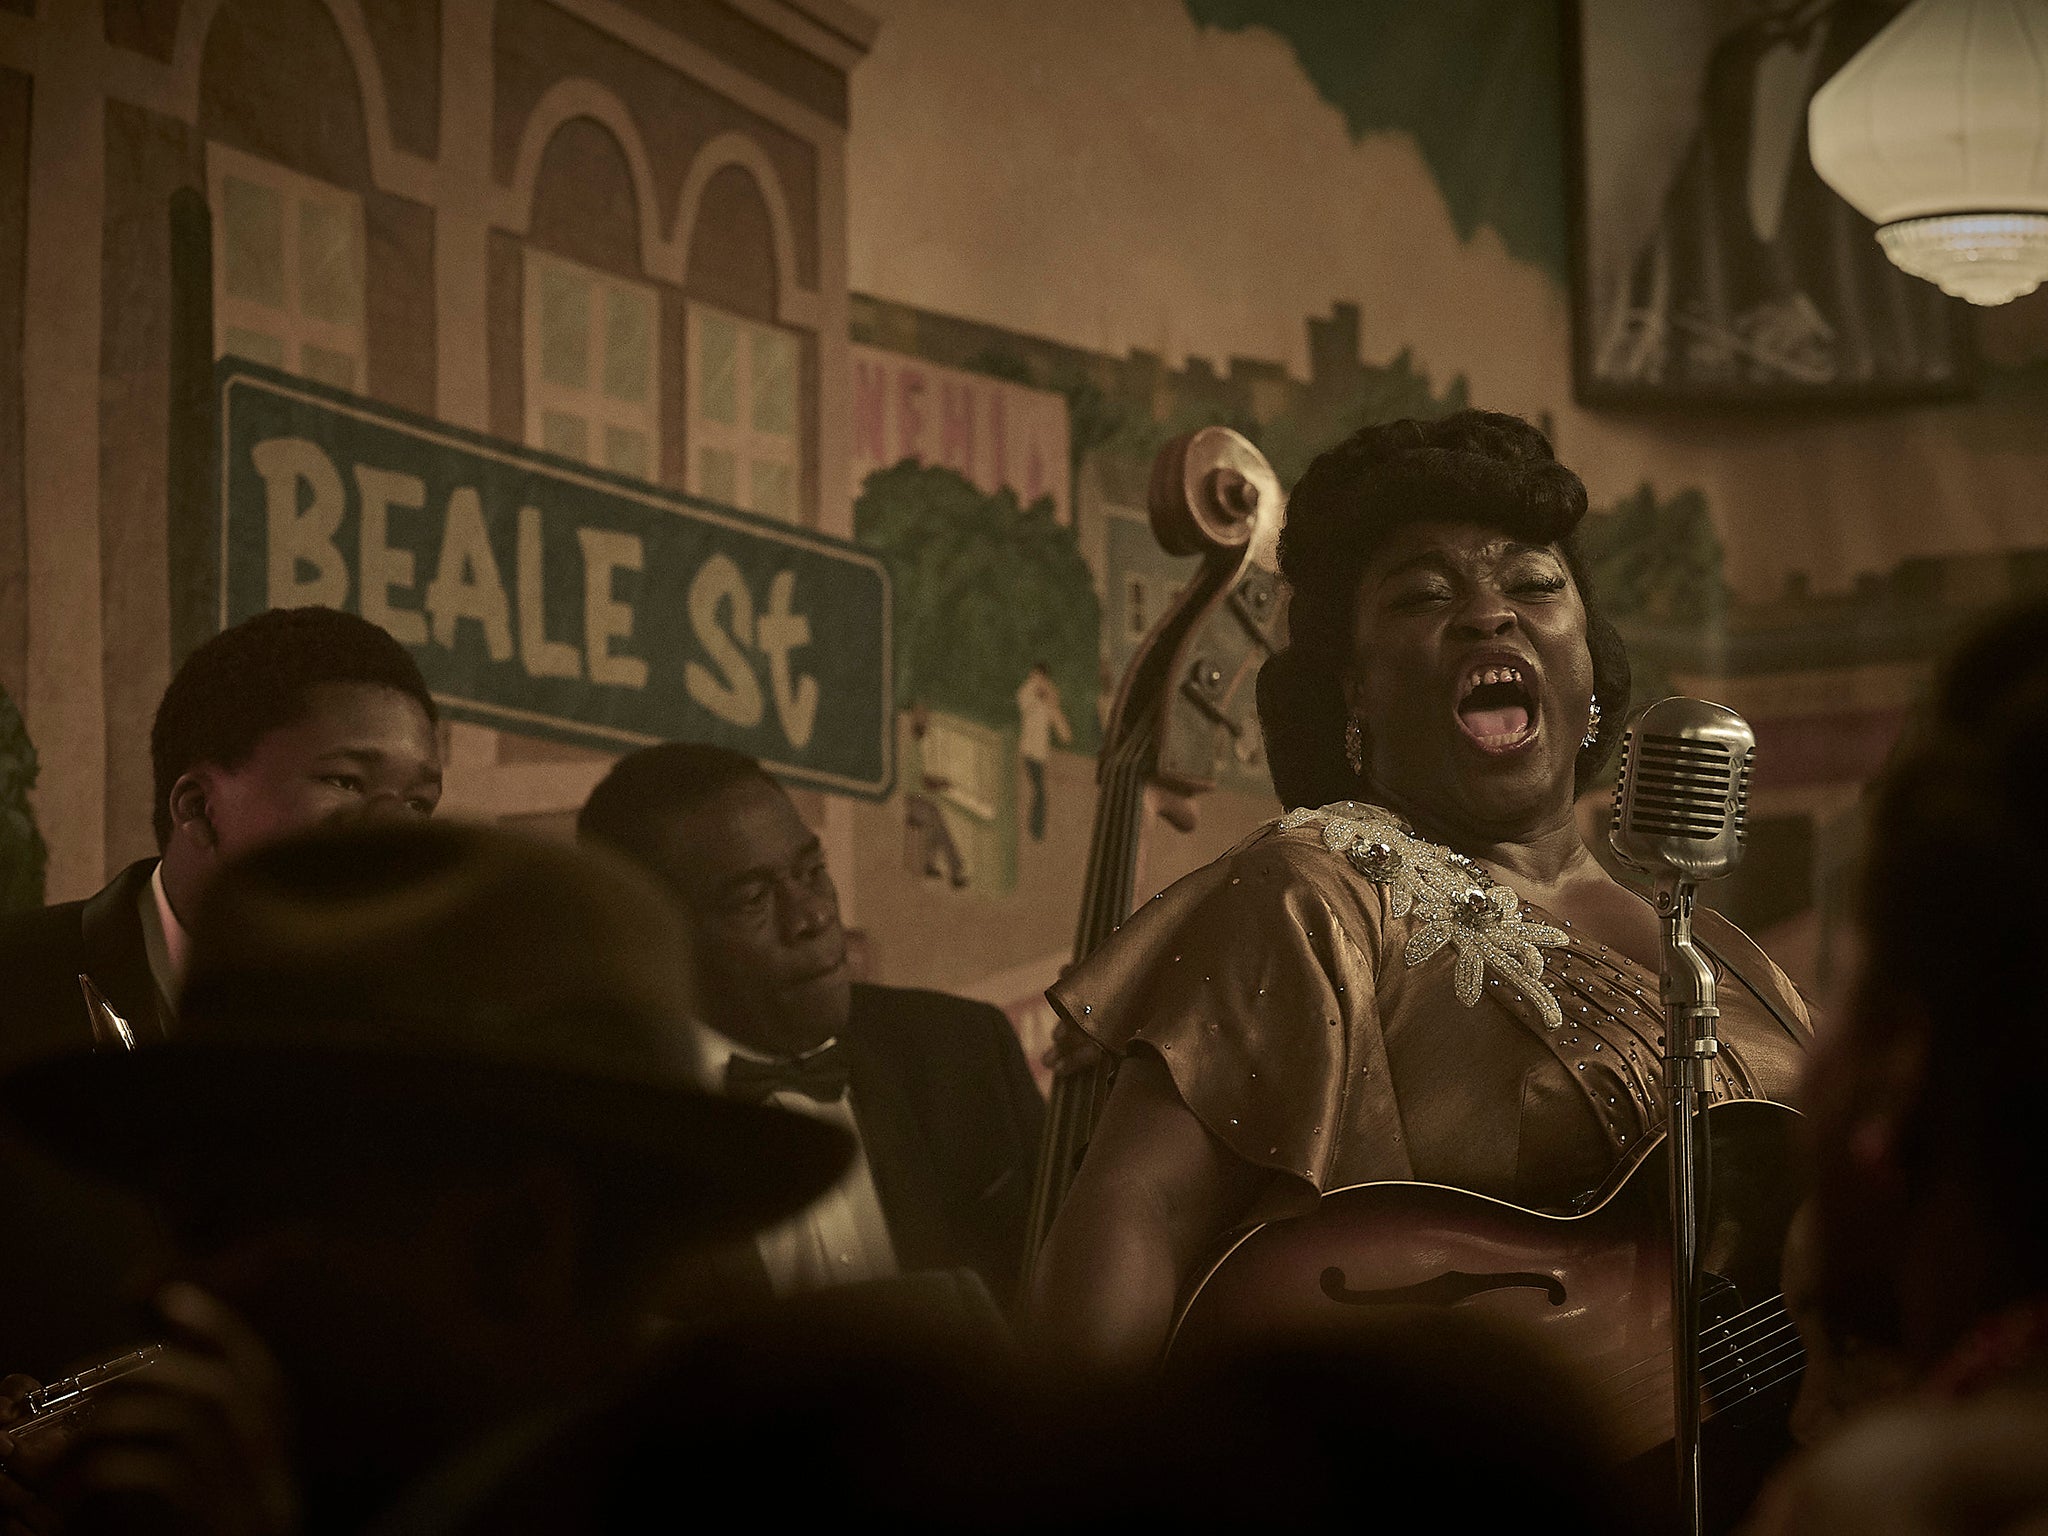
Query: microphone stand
pixel 1690 1012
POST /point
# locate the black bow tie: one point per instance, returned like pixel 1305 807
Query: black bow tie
pixel 821 1073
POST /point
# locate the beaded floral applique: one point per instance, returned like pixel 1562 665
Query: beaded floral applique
pixel 1454 899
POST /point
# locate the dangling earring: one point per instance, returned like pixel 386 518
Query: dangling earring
pixel 1354 747
pixel 1592 736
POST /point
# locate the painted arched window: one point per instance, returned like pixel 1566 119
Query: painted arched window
pixel 744 378
pixel 592 376
pixel 289 269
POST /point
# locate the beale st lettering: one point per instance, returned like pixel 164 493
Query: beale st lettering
pixel 424 591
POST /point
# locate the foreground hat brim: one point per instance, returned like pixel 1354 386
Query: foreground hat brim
pixel 724 1167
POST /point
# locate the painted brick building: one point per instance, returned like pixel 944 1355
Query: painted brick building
pixel 615 229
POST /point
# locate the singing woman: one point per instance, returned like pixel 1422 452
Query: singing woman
pixel 1420 972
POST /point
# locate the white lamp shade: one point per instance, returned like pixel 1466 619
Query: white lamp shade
pixel 1942 120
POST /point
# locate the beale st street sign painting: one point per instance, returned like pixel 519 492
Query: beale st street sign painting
pixel 542 596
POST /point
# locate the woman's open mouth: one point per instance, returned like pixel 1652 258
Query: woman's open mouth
pixel 1497 709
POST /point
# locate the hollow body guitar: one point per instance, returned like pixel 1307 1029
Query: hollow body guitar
pixel 1594 1285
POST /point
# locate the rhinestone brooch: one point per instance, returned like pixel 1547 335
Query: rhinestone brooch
pixel 1455 902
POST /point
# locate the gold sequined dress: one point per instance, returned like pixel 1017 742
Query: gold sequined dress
pixel 1340 1001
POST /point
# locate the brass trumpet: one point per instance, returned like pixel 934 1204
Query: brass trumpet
pixel 109 1030
pixel 61 1399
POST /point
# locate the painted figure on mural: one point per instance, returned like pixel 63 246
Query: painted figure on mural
pixel 1043 716
pixel 933 850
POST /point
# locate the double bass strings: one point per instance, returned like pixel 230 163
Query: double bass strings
pixel 1076 1105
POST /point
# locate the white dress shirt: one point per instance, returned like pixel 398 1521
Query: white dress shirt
pixel 165 940
pixel 842 1236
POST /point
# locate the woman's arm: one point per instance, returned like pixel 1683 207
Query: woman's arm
pixel 1154 1193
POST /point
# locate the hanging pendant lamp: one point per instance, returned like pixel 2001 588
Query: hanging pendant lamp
pixel 1937 132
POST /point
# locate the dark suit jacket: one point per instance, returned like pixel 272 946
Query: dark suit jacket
pixel 952 1122
pixel 78 1252
pixel 42 954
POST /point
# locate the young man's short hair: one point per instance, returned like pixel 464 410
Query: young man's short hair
pixel 647 788
pixel 256 677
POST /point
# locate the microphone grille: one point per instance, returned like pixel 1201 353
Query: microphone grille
pixel 1683 787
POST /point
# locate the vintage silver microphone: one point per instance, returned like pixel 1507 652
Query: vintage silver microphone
pixel 1679 809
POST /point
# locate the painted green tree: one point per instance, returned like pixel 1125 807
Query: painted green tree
pixel 22 854
pixel 1657 567
pixel 1656 560
pixel 984 588
pixel 1311 423
pixel 1381 393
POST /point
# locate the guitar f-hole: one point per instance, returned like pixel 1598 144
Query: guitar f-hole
pixel 1444 1290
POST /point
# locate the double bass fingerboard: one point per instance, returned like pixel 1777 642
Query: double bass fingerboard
pixel 1078 1097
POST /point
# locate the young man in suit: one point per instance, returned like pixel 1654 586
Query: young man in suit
pixel 935 1088
pixel 293 718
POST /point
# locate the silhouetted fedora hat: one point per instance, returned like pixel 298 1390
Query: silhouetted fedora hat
pixel 437 975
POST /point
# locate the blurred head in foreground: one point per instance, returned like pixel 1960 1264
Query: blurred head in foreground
pixel 427 1130
pixel 906 1427
pixel 1932 1204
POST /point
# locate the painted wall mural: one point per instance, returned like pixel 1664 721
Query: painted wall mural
pixel 1481 127
pixel 1295 219
pixel 997 432
pixel 946 294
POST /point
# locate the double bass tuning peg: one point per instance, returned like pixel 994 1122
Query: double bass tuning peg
pixel 1233 492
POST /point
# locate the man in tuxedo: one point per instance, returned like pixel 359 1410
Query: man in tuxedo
pixel 935 1088
pixel 294 718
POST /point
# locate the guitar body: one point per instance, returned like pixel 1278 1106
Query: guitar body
pixel 1593 1286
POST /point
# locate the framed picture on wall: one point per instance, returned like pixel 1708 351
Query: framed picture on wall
pixel 1711 263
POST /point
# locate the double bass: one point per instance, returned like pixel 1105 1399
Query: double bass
pixel 1183 711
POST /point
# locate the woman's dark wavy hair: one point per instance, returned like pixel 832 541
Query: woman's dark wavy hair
pixel 1469 467
pixel 1954 838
